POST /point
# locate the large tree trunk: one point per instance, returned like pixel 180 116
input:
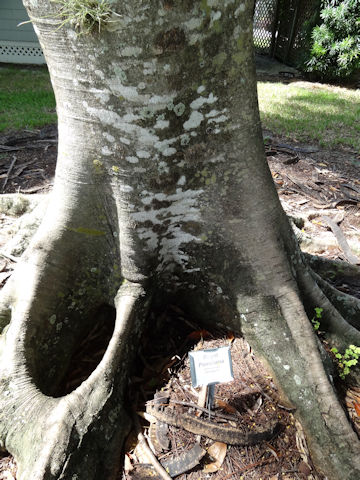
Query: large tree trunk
pixel 161 189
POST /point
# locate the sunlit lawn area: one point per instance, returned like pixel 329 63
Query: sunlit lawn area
pixel 301 111
pixel 306 111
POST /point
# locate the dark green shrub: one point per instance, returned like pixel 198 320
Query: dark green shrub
pixel 335 50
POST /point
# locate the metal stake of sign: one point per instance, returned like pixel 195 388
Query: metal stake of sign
pixel 210 396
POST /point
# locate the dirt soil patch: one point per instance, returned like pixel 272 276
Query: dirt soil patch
pixel 314 186
pixel 311 182
pixel 28 161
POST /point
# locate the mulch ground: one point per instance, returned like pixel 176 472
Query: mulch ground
pixel 314 185
pixel 249 403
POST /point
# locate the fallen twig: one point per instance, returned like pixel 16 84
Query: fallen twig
pixel 260 463
pixel 6 148
pixel 21 168
pixel 8 174
pixel 9 257
pixel 203 409
pixel 36 189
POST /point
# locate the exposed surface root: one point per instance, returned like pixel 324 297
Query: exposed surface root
pixel 336 328
pixel 330 269
pixel 297 366
pixel 107 380
pixel 256 394
pixel 347 305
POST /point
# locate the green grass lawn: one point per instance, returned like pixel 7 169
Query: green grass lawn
pixel 301 111
pixel 26 98
pixel 305 111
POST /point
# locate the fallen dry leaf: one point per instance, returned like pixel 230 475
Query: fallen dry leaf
pixel 225 406
pixel 273 452
pixel 217 451
pixel 304 468
pixel 258 404
pixel 127 464
pixel 199 334
pixel 230 337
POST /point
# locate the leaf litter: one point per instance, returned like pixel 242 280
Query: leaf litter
pixel 249 403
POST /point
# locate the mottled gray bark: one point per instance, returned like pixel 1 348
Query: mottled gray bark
pixel 161 186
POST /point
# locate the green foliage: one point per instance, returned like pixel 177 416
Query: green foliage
pixel 316 319
pixel 347 360
pixel 335 51
pixel 87 16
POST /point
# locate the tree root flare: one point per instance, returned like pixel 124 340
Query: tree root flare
pixel 46 447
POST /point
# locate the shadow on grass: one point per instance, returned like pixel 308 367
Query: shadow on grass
pixel 304 111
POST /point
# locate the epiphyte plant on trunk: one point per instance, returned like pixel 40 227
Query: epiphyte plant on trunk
pixel 87 16
pixel 161 192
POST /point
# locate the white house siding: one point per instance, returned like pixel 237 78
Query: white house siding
pixel 18 44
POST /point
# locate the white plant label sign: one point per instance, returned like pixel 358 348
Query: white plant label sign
pixel 211 366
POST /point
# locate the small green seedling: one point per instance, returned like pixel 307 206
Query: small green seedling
pixel 316 319
pixel 347 360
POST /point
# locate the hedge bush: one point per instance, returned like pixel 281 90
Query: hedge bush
pixel 335 49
